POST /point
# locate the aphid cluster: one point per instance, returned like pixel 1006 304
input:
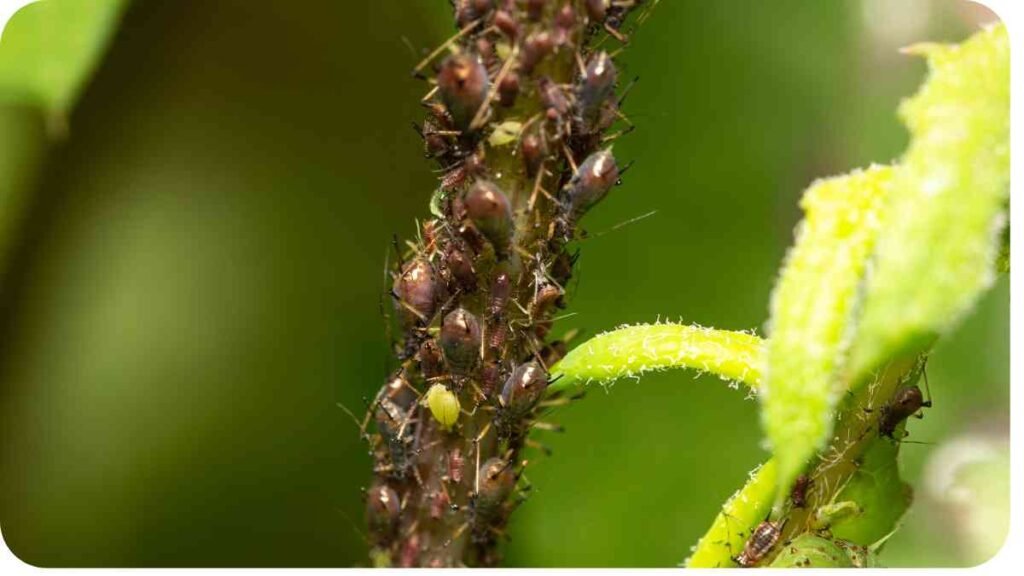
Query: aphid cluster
pixel 519 109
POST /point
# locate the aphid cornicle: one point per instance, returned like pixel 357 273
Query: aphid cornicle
pixel 460 340
pixel 463 85
pixel 416 291
pixel 382 512
pixel 760 543
pixel 489 209
pixel 523 388
pixel 905 403
pixel 592 181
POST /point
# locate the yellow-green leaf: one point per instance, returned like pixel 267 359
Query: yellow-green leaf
pixel 946 211
pixel 631 351
pixel 49 48
pixel 739 516
pixel 811 312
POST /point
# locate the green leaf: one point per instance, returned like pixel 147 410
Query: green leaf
pixel 631 351
pixel 739 516
pixel 811 312
pixel 49 48
pixel 947 208
pixel 812 551
pixel 877 489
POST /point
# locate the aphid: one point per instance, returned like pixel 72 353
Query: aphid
pixel 565 21
pixel 463 85
pixel 460 340
pixel 396 430
pixel 536 48
pixel 429 356
pixel 760 543
pixel 799 493
pixel 467 11
pixel 523 389
pixel 416 291
pixel 508 90
pixel 535 9
pixel 508 26
pixel 489 209
pixel 548 295
pixel 597 10
pixel 444 405
pixel 438 503
pixel 410 551
pixel 455 465
pixel 906 403
pixel 533 149
pixel 501 291
pixel 552 97
pixel 596 87
pixel 382 512
pixel 496 481
pixel 461 267
pixel 592 181
pixel 399 391
pixel 489 377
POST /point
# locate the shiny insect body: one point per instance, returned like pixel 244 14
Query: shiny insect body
pixel 760 544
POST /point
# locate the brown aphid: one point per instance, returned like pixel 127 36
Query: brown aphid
pixel 533 149
pixel 489 209
pixel 535 9
pixel 382 512
pixel 456 463
pixel 508 90
pixel 592 182
pixel 799 493
pixel 523 389
pixel 462 84
pixel 399 391
pixel 497 479
pixel 760 543
pixel 416 290
pixel 466 11
pixel 597 10
pixel 439 504
pixel 461 267
pixel 548 295
pixel 507 24
pixel 490 375
pixel 553 98
pixel 501 291
pixel 429 356
pixel 595 88
pixel 536 47
pixel 410 551
pixel 460 340
pixel 906 403
pixel 565 22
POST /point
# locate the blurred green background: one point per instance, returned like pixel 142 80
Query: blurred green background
pixel 193 278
